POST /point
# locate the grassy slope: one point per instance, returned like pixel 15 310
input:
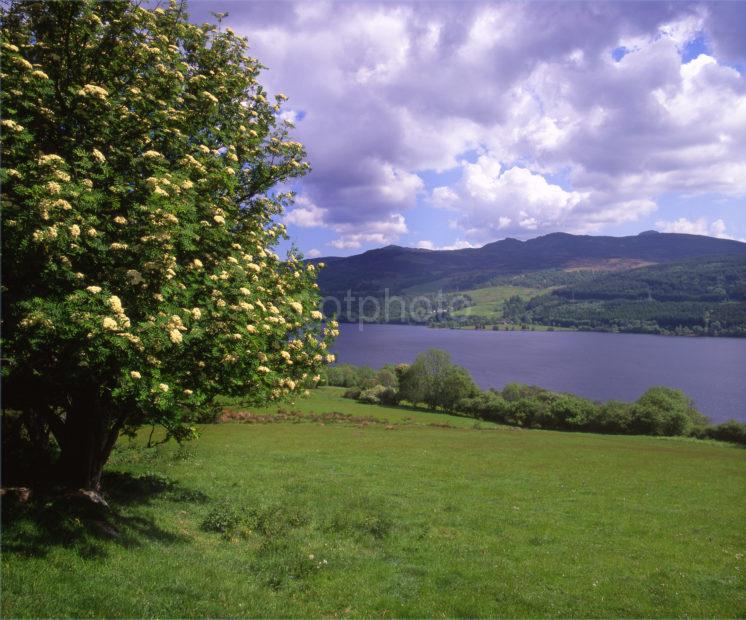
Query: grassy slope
pixel 488 302
pixel 329 399
pixel 415 521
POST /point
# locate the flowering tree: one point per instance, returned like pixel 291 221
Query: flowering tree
pixel 140 156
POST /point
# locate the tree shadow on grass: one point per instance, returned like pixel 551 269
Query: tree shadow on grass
pixel 55 519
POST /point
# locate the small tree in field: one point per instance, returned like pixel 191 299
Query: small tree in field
pixel 140 156
pixel 436 381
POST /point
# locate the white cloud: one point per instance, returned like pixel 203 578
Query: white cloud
pixel 683 30
pixel 491 201
pixel 352 235
pixel 379 233
pixel 444 197
pixel 313 253
pixel 388 91
pixel 459 244
pixel 305 214
pixel 396 185
pixel 700 226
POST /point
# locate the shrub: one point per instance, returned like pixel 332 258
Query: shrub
pixel 446 390
pixel 372 395
pixel 731 430
pixel 387 378
pixel 390 397
pixel 664 411
pixel 347 375
pixel 613 417
pixel 527 412
pixel 433 379
pixel 223 519
pixel 340 375
pixel 518 391
pixel 489 405
pixel 365 377
pixel 568 411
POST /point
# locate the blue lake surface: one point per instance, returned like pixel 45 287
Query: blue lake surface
pixel 601 366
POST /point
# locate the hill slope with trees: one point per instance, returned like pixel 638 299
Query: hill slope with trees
pixel 650 283
pixel 688 298
pixel 410 270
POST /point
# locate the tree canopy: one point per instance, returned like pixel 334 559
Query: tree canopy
pixel 143 164
pixel 435 380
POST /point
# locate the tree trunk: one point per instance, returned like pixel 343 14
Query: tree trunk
pixel 89 437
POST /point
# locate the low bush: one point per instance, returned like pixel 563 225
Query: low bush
pixel 372 395
pixel 271 521
pixel 223 519
pixel 664 411
pixel 731 430
pixel 488 405
pixel 380 395
pixel 387 378
pixel 390 397
pixel 349 376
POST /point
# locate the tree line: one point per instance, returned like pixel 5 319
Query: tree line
pixel 434 381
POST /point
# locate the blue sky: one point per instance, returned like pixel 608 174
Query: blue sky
pixel 443 124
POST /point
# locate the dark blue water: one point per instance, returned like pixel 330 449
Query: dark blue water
pixel 601 366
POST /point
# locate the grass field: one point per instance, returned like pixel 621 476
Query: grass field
pixel 391 518
pixel 488 302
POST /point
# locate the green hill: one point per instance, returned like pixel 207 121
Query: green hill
pixel 650 283
pixel 415 271
pixel 692 297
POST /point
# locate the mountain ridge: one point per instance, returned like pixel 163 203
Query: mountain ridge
pixel 398 268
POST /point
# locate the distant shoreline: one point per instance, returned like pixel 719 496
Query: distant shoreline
pixel 535 327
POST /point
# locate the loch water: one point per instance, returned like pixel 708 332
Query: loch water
pixel 602 366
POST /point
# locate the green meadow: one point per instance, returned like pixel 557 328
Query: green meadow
pixel 390 512
pixel 488 302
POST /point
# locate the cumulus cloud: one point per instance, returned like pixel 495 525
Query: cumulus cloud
pixel 425 244
pixel 491 201
pixel 459 244
pixel 549 126
pixel 307 214
pixel 700 226
pixel 380 233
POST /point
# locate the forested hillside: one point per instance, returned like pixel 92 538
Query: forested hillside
pixel 693 297
pixel 694 280
pixel 650 283
pixel 414 271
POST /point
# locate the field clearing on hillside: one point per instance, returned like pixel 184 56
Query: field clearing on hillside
pixel 488 302
pixel 393 519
